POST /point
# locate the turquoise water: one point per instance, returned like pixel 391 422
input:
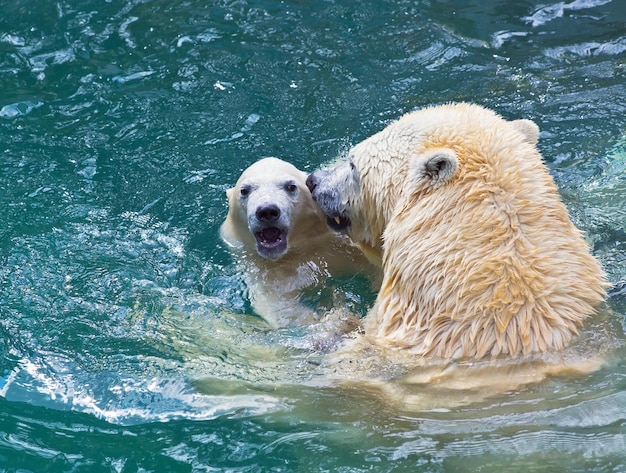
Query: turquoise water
pixel 126 339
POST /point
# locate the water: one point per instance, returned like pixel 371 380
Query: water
pixel 126 339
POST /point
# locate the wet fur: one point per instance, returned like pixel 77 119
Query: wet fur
pixel 479 256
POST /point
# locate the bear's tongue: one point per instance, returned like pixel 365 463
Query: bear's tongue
pixel 270 236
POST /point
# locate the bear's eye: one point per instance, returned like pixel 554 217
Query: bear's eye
pixel 291 188
pixel 244 191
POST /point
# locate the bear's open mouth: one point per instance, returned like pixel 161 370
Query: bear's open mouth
pixel 270 236
pixel 338 223
pixel 271 242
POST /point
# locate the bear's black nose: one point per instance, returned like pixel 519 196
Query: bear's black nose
pixel 268 213
pixel 311 182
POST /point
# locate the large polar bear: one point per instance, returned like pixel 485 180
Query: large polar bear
pixel 284 245
pixel 479 256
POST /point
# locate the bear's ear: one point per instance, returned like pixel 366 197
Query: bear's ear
pixel 528 128
pixel 434 168
pixel 229 193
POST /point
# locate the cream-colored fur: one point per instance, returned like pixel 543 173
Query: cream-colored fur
pixel 479 256
pixel 297 255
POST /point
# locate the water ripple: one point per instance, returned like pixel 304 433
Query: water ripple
pixel 609 48
pixel 20 108
pixel 61 384
pixel 553 11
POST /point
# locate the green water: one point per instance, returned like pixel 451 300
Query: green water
pixel 127 342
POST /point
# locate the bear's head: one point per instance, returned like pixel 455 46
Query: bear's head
pixel 478 253
pixel 270 209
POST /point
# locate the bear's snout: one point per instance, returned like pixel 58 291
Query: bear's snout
pixel 268 213
pixel 311 182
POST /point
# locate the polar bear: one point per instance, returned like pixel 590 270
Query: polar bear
pixel 479 256
pixel 283 243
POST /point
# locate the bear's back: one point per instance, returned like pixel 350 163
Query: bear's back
pixel 489 263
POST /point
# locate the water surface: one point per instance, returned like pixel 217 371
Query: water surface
pixel 127 342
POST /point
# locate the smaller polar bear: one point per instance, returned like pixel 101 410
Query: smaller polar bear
pixel 479 256
pixel 284 245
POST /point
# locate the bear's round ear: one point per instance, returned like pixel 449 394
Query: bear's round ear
pixel 528 128
pixel 434 168
pixel 229 192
